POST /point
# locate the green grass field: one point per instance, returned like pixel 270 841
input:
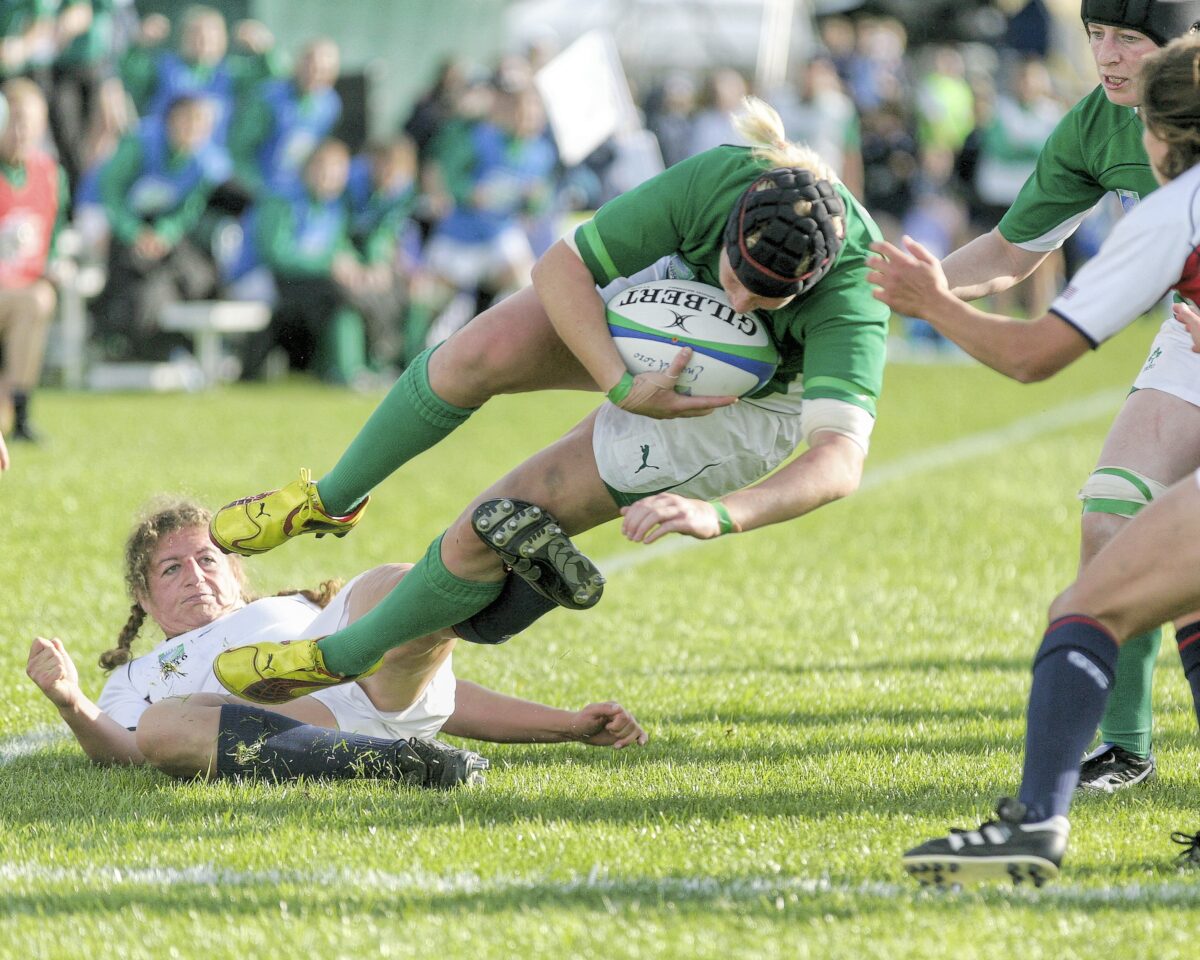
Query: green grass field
pixel 820 696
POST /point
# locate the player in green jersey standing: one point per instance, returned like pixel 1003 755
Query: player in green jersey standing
pixel 1155 439
pixel 771 226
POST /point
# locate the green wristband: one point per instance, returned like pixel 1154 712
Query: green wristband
pixel 621 390
pixel 723 518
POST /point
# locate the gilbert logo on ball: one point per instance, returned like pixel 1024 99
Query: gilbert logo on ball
pixel 732 353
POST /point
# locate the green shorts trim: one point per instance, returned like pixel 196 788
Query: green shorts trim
pixel 623 499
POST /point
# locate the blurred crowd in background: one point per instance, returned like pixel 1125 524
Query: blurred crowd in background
pixel 147 161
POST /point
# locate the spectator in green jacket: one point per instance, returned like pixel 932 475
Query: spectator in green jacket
pixel 302 238
pixel 381 194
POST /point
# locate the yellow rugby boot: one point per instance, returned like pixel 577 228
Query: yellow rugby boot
pixel 277 672
pixel 262 522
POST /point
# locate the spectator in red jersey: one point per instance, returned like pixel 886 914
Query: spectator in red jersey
pixel 33 201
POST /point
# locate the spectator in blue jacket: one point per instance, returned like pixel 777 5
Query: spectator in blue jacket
pixel 199 69
pixel 155 189
pixel 278 127
pixel 498 171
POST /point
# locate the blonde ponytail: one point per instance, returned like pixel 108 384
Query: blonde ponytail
pixel 760 124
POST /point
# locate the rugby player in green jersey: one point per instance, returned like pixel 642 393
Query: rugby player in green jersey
pixel 1155 439
pixel 787 242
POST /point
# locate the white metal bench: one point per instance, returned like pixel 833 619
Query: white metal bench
pixel 206 321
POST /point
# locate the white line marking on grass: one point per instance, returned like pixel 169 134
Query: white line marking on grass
pixel 957 451
pixel 598 881
pixel 14 748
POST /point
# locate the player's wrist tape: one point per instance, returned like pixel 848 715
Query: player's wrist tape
pixel 621 390
pixel 724 520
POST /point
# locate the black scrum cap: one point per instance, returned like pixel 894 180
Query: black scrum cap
pixel 784 232
pixel 1161 20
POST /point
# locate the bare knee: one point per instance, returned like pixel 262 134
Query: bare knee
pixel 371 587
pixel 1063 605
pixel 509 348
pixel 34 304
pixel 475 364
pixel 45 299
pixel 1096 530
pixel 179 737
pixel 383 578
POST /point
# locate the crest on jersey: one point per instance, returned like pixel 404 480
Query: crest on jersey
pixel 169 661
pixel 21 235
pixel 1129 199
pixel 679 269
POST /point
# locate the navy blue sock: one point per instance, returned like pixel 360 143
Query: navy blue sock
pixel 1188 639
pixel 259 744
pixel 1072 677
pixel 517 607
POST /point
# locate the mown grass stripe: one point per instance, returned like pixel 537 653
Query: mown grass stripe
pixel 597 881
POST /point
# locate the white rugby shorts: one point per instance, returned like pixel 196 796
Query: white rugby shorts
pixel 353 710
pixel 702 457
pixel 1172 367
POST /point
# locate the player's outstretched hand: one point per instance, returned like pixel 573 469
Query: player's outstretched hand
pixel 53 670
pixel 607 725
pixel 663 513
pixel 1191 322
pixel 653 394
pixel 907 279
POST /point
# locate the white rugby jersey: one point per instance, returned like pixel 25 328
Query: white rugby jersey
pixel 183 664
pixel 1152 250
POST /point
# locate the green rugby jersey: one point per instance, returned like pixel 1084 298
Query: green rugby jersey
pixel 835 336
pixel 1096 147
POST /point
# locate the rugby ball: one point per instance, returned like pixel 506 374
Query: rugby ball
pixel 732 353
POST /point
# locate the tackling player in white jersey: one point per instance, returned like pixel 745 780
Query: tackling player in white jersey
pixel 166 708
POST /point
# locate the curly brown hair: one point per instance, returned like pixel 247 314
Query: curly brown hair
pixel 1170 90
pixel 161 520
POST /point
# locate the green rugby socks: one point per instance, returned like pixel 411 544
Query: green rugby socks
pixel 428 598
pixel 1127 720
pixel 409 420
